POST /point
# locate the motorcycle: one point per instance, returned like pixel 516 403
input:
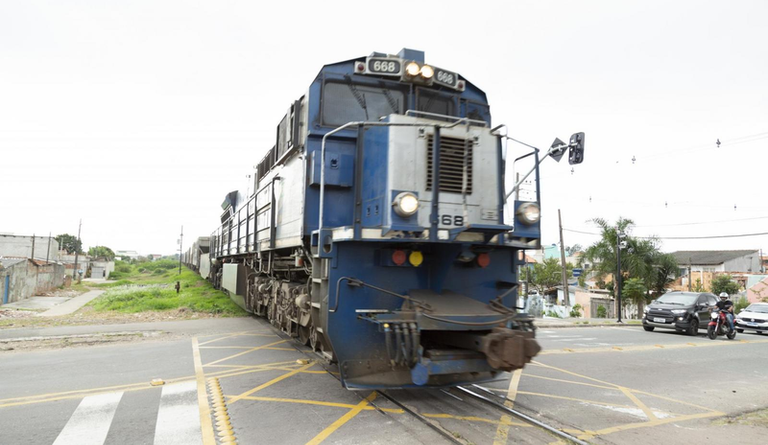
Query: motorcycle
pixel 718 325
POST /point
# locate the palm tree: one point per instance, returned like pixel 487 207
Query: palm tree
pixel 640 260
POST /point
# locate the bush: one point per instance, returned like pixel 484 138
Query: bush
pixel 740 304
pixel 602 312
pixel 553 314
pixel 576 311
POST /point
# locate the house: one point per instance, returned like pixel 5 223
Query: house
pixel 729 261
pixel 703 265
pixel 132 254
pixel 22 278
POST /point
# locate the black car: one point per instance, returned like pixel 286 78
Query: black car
pixel 683 311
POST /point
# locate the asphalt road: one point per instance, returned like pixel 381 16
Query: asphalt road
pixel 607 385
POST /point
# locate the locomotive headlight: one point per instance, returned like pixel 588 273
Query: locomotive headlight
pixel 405 204
pixel 529 213
pixel 427 72
pixel 412 69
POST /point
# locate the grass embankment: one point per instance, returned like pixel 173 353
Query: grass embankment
pixel 150 286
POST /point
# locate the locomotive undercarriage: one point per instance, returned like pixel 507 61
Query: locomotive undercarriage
pixel 278 287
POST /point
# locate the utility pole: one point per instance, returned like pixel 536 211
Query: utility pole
pixel 77 250
pixel 690 276
pixel 566 295
pixel 33 247
pixel 181 240
pixel 617 281
pixel 48 252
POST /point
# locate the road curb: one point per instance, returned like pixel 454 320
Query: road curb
pixel 94 335
pixel 559 326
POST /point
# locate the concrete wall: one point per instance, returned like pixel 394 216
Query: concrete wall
pixel 28 278
pixel 746 263
pixel 21 246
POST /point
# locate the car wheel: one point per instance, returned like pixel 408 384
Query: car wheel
pixel 741 331
pixel 648 328
pixel 694 329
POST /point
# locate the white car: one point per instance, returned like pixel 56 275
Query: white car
pixel 753 318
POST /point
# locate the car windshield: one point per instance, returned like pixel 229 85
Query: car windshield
pixel 762 308
pixel 675 298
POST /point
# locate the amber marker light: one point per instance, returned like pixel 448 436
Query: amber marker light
pixel 416 258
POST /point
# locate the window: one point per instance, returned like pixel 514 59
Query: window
pixel 350 102
pixel 432 102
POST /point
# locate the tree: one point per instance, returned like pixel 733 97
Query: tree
pixel 571 250
pixel 70 243
pixel 665 271
pixel 101 252
pixel 635 291
pixel 548 274
pixel 724 283
pixel 641 259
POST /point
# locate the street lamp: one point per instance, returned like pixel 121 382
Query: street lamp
pixel 617 281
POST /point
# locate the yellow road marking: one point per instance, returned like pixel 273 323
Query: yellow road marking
pixel 206 426
pixel 502 431
pixel 342 420
pixel 221 338
pixel 657 422
pixel 636 401
pixel 569 381
pixel 501 422
pixel 574 399
pixel 244 352
pixel 271 382
pixel 320 403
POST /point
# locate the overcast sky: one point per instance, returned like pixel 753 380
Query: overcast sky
pixel 138 117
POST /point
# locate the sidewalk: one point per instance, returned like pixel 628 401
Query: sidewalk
pixel 72 305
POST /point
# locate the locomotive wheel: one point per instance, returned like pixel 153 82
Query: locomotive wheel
pixel 314 339
pixel 304 335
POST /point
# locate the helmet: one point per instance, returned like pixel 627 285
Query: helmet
pixel 723 294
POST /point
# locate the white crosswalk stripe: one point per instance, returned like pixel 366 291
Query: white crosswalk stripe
pixel 90 422
pixel 177 422
pixel 178 419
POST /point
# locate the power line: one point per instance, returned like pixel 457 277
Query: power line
pixel 740 235
pixel 702 222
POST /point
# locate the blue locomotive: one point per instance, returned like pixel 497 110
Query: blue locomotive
pixel 376 230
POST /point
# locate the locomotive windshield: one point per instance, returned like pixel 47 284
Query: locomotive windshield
pixel 349 102
pixel 433 102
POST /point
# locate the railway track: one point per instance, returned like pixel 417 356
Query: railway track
pixel 469 423
pixel 466 426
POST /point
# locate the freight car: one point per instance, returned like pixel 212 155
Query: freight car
pixel 378 231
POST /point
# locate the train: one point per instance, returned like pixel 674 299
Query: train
pixel 378 231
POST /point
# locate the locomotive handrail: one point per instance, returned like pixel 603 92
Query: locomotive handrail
pixel 427 113
pixel 436 168
pixel 354 282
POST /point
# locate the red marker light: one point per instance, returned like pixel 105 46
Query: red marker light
pixel 360 67
pixel 398 257
pixel 483 260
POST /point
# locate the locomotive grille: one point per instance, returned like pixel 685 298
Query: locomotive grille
pixel 452 152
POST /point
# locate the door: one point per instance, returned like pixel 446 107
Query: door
pixel 702 308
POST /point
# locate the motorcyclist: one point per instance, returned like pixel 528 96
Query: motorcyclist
pixel 726 305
